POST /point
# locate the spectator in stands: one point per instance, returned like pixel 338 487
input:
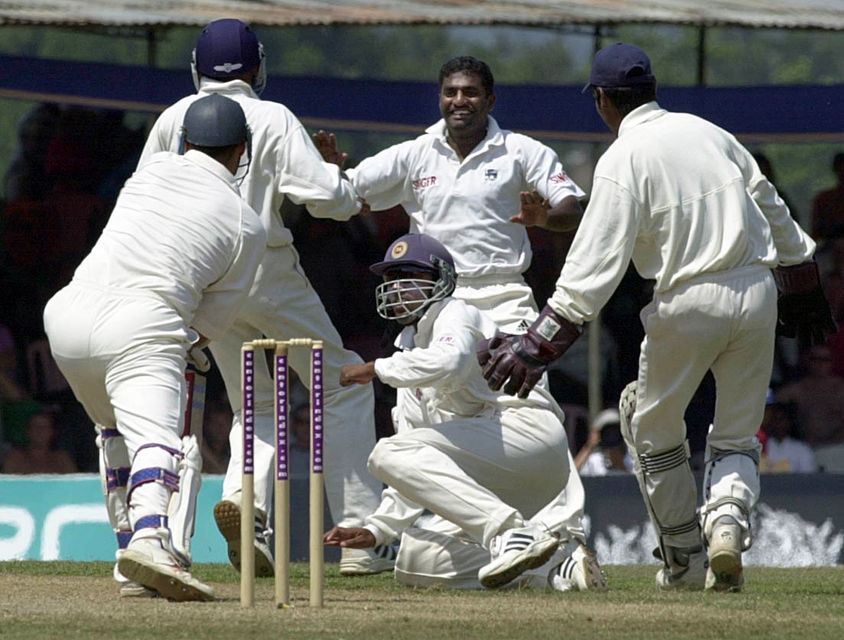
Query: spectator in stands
pixel 11 390
pixel 767 170
pixel 604 452
pixel 828 205
pixel 819 401
pixel 25 178
pixel 831 265
pixel 781 451
pixel 16 405
pixel 72 203
pixel 40 454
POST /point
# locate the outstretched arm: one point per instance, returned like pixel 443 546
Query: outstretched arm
pixel 536 211
pixel 357 374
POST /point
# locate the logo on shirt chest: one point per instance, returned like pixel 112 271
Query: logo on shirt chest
pixel 490 175
pixel 422 183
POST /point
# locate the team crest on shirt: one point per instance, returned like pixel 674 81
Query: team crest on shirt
pixel 398 250
pixel 559 177
pixel 491 175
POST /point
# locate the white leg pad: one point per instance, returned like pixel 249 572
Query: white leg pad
pixel 666 482
pixel 181 511
pixel 114 467
pixel 155 476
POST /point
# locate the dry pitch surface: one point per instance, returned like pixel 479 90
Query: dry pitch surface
pixel 79 600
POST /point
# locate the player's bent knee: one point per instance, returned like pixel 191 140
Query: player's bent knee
pixel 382 462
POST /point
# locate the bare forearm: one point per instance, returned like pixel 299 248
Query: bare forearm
pixel 565 216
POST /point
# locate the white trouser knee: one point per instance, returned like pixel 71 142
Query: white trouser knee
pixel 429 558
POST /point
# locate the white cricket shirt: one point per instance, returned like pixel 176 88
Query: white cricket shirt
pixel 436 372
pixel 285 161
pixel 467 205
pixel 180 232
pixel 681 197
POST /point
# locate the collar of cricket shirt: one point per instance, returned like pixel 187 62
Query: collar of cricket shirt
pixel 640 115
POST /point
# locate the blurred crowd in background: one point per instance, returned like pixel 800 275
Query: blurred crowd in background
pixel 57 196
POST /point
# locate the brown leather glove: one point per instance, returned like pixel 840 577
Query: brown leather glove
pixel 803 310
pixel 518 362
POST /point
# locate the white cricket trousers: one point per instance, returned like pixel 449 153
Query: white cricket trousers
pixel 724 322
pixel 123 356
pixel 485 475
pixel 282 305
pixel 510 304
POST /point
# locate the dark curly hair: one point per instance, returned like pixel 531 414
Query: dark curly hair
pixel 468 64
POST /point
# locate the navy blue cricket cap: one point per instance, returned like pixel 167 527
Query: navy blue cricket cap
pixel 620 65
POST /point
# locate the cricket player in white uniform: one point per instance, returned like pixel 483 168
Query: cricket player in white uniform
pixel 476 187
pixel 688 204
pixel 282 304
pixel 174 263
pixel 481 462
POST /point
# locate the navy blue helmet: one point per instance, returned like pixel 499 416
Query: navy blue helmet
pixel 405 299
pixel 226 49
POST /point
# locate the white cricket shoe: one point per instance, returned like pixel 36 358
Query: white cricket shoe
pixel 130 588
pixel 148 563
pixel 227 517
pixel 365 562
pixel 578 572
pixel 516 551
pixel 725 570
pixel 685 569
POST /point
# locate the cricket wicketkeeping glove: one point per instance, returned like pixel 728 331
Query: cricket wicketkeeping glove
pixel 518 362
pixel 803 310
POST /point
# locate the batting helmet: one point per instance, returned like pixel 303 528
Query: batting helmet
pixel 225 50
pixel 215 121
pixel 406 299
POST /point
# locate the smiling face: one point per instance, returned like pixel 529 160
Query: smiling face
pixel 465 104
